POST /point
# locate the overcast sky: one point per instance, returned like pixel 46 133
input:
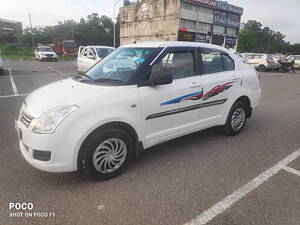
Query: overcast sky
pixel 280 15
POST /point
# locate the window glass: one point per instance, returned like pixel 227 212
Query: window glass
pixel 180 64
pixel 120 65
pixel 103 52
pixel 84 52
pixel 92 52
pixel 212 62
pixel 228 63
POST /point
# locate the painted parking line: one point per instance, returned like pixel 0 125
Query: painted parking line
pixel 57 71
pixel 13 96
pixel 228 201
pixel 14 87
pixel 291 170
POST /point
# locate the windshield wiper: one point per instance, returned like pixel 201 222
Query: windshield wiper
pixel 85 75
pixel 109 79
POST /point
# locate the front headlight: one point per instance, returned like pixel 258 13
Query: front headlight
pixel 49 121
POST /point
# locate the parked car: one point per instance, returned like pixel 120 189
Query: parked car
pixel 1 65
pixel 263 62
pixel 45 53
pixel 139 96
pixel 297 61
pixel 88 56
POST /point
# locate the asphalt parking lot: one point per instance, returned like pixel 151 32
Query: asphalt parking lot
pixel 203 178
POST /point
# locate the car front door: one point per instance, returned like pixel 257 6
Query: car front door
pixel 92 58
pixel 83 60
pixel 171 110
pixel 220 82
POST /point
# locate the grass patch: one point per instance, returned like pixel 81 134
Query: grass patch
pixel 14 51
pixel 67 58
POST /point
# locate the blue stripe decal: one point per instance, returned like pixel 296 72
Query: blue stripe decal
pixel 182 98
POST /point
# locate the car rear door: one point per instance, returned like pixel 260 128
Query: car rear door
pixel 172 110
pixel 220 82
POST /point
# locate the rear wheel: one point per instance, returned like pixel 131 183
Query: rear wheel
pixel 107 153
pixel 236 119
pixel 262 68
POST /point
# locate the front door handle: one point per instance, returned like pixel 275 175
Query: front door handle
pixel 196 86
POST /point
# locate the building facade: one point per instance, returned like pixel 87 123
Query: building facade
pixel 207 21
pixel 10 27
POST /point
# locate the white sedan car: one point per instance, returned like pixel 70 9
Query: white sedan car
pixel 139 96
pixel 90 55
pixel 45 53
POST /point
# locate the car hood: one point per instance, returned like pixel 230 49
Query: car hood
pixel 64 92
pixel 48 53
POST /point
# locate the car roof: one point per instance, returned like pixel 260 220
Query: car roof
pixel 99 46
pixel 171 44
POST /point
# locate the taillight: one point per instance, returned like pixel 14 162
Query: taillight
pixel 258 75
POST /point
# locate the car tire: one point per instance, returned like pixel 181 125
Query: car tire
pixel 262 68
pixel 236 119
pixel 107 153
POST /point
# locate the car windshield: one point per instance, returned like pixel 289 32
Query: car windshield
pixel 103 52
pixel 45 49
pixel 119 65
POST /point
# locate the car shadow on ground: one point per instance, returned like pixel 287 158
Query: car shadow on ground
pixel 176 146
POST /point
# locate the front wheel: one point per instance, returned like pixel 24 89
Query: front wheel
pixel 236 119
pixel 107 153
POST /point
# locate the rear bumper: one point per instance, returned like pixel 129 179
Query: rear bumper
pixel 255 98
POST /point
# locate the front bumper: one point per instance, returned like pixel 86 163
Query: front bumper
pixel 62 145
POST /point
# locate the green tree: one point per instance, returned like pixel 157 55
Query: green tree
pixel 247 41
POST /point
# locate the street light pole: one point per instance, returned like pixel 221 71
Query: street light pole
pixel 32 38
pixel 115 21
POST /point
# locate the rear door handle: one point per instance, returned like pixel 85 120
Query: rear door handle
pixel 236 78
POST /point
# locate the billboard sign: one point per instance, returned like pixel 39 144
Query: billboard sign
pixel 209 3
pixel 186 36
pixel 220 18
pixel 200 37
pixel 224 6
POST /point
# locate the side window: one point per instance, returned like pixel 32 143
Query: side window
pixel 92 52
pixel 228 63
pixel 180 64
pixel 84 52
pixel 212 62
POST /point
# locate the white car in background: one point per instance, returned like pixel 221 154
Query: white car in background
pixel 90 55
pixel 45 53
pixel 263 62
pixel 297 61
pixel 139 96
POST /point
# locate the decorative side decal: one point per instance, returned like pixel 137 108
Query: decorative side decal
pixel 198 95
pixel 217 90
pixel 193 96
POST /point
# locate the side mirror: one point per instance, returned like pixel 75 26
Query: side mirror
pixel 160 75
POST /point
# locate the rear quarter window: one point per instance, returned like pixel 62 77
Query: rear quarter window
pixel 215 62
